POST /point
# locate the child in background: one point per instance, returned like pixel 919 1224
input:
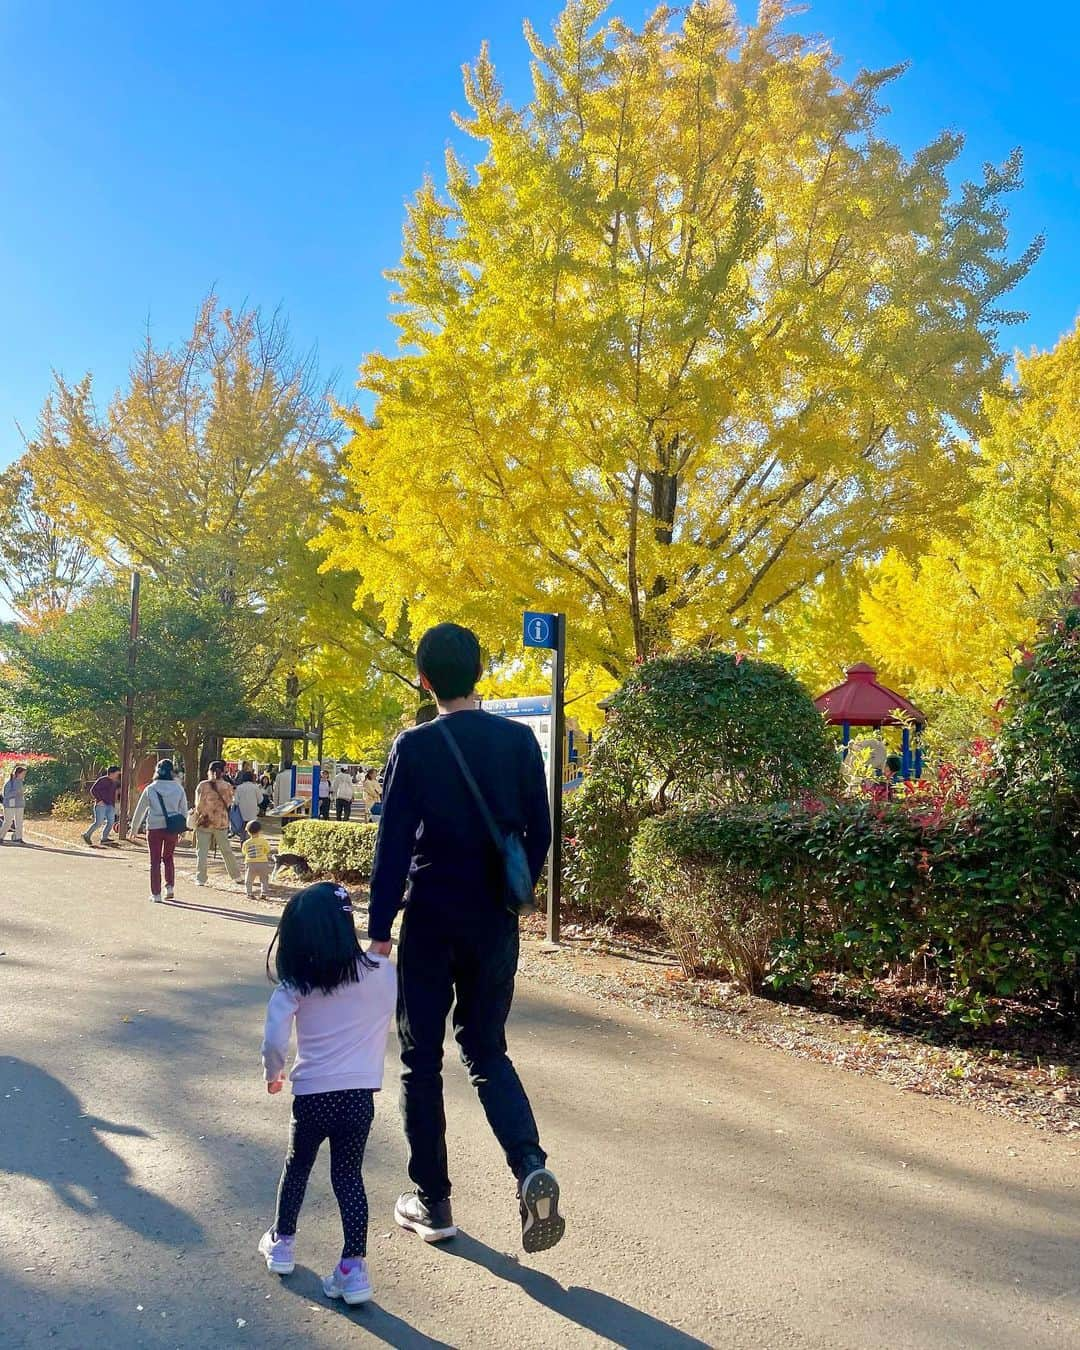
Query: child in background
pixel 256 853
pixel 342 1001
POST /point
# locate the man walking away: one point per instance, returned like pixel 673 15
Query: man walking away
pixel 103 794
pixel 14 798
pixel 343 789
pixel 459 941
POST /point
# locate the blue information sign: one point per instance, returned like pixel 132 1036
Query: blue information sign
pixel 540 630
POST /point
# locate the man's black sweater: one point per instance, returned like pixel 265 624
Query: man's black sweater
pixel 432 837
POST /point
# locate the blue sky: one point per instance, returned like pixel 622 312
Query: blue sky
pixel 150 152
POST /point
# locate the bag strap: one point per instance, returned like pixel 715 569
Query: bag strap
pixel 473 786
pixel 164 808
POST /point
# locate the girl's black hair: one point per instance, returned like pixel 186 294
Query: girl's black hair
pixel 163 770
pixel 317 946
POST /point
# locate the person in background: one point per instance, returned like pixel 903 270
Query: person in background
pixel 161 798
pixel 213 797
pixel 344 789
pixel 248 798
pixel 103 794
pixel 459 938
pixel 324 795
pixel 14 798
pixel 372 793
pixel 256 854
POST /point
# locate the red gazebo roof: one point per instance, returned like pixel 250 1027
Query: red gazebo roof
pixel 861 702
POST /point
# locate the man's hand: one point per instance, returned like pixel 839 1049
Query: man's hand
pixel 276 1084
pixel 379 948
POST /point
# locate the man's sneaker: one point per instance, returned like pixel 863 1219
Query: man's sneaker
pixel 542 1226
pixel 199 883
pixel 155 899
pixel 434 1223
pixel 85 837
pixel 279 1252
pixel 350 1281
pixel 111 843
pixel 170 893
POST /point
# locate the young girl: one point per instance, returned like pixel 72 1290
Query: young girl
pixel 341 1001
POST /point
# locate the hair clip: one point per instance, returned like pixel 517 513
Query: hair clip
pixel 347 909
pixel 342 893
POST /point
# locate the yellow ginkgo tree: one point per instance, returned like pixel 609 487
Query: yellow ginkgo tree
pixel 955 618
pixel 690 339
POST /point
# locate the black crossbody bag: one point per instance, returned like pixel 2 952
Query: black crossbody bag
pixel 175 821
pixel 518 894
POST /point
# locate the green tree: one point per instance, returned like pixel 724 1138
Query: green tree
pixel 198 671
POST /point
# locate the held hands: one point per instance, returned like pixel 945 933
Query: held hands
pixel 379 948
pixel 276 1084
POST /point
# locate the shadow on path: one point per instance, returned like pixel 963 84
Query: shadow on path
pixel 65 852
pixel 239 915
pixel 45 1135
pixel 617 1322
pixel 376 1321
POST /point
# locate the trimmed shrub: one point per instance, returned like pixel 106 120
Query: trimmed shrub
pixel 972 877
pixel 697 729
pixel 72 806
pixel 47 780
pixel 343 850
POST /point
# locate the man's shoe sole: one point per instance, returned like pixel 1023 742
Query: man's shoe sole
pixel 542 1226
pixel 422 1229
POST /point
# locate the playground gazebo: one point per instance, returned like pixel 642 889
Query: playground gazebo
pixel 862 702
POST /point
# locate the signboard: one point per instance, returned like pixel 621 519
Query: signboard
pixel 534 712
pixel 540 630
pixel 305 785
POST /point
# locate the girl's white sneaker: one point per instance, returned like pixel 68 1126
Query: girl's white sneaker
pixel 170 893
pixel 350 1281
pixel 155 899
pixel 279 1252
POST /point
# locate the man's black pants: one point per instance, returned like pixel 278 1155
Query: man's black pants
pixel 468 960
pixel 344 808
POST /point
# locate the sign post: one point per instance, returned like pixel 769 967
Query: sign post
pixel 549 631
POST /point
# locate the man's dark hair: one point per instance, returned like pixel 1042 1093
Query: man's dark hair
pixel 113 768
pixel 448 657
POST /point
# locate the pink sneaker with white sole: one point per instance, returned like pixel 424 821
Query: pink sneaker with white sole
pixel 279 1252
pixel 350 1281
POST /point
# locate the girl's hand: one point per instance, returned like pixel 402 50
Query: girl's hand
pixel 379 948
pixel 276 1084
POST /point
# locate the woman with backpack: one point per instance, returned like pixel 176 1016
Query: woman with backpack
pixel 210 820
pixel 163 807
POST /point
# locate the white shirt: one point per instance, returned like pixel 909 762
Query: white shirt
pixel 340 1037
pixel 247 797
pixel 343 787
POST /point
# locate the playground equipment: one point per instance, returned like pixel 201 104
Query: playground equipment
pixel 862 702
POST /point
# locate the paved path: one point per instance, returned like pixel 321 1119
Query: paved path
pixel 718 1193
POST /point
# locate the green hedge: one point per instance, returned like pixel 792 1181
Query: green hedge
pixel 341 850
pixel 694 729
pixel 972 898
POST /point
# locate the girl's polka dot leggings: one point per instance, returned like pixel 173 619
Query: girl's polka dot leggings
pixel 345 1119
